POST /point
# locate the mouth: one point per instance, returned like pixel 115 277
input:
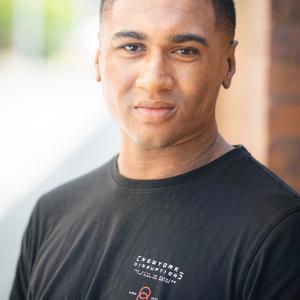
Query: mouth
pixel 154 111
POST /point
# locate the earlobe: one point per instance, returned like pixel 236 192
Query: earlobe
pixel 230 66
pixel 97 67
pixel 230 70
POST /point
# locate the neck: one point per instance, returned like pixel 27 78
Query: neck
pixel 137 163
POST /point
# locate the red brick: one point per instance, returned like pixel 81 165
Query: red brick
pixel 285 44
pixel 285 12
pixel 285 157
pixel 284 79
pixel 285 99
pixel 284 120
pixel 284 91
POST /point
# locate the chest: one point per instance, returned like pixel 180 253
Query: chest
pixel 138 256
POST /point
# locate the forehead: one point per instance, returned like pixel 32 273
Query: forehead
pixel 159 16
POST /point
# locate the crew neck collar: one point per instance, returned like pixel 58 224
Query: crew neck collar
pixel 238 151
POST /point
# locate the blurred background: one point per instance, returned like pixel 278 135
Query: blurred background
pixel 54 125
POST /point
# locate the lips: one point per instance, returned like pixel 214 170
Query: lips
pixel 154 104
pixel 154 111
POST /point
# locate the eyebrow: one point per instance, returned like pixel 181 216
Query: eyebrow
pixel 130 34
pixel 182 38
pixel 179 38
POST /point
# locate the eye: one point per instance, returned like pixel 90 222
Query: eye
pixel 187 52
pixel 133 48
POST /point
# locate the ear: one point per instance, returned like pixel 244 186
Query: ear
pixel 98 77
pixel 230 65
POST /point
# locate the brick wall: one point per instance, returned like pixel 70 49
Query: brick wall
pixel 284 109
pixel 243 109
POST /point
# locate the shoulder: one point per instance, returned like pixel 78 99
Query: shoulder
pixel 74 193
pixel 267 178
pixel 266 213
pixel 264 199
pixel 274 269
pixel 269 215
pixel 260 189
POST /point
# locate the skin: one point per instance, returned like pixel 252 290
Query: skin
pixel 154 65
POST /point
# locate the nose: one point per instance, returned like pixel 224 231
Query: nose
pixel 155 76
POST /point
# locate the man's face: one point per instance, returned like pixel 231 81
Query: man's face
pixel 161 65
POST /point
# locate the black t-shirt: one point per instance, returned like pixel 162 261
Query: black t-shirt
pixel 227 230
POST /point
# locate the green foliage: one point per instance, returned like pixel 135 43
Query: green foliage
pixel 5 22
pixel 57 22
pixel 58 19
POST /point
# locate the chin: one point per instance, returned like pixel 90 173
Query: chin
pixel 153 142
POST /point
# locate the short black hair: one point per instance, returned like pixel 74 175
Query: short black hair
pixel 224 11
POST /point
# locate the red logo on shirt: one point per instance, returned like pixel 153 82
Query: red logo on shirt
pixel 144 293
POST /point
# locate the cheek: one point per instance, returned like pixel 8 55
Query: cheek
pixel 199 86
pixel 117 70
pixel 193 83
pixel 118 80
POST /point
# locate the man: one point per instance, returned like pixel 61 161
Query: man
pixel 179 213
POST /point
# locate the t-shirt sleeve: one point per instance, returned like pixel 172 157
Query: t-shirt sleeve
pixel 26 258
pixel 274 273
